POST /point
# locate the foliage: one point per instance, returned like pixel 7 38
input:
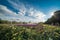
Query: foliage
pixel 12 32
pixel 55 18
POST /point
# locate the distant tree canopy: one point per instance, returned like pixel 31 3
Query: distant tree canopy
pixel 4 21
pixel 9 22
pixel 55 18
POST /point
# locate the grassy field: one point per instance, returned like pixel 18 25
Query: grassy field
pixel 39 32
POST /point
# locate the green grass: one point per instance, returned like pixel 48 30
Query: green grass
pixel 40 32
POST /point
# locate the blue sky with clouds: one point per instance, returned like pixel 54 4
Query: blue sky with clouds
pixel 28 10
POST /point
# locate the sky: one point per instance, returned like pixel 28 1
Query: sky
pixel 28 10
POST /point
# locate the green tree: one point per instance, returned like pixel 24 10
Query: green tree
pixel 55 18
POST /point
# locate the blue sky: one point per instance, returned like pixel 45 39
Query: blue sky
pixel 28 10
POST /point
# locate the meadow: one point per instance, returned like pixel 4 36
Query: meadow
pixel 39 32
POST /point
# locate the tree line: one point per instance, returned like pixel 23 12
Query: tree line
pixel 55 19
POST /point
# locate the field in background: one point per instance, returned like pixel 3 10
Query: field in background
pixel 39 32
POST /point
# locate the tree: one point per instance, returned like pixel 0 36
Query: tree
pixel 55 18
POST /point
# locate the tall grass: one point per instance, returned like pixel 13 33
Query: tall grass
pixel 40 32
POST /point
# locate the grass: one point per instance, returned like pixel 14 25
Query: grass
pixel 40 32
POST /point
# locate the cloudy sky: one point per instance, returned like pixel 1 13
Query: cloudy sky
pixel 28 10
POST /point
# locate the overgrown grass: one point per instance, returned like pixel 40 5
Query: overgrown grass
pixel 40 32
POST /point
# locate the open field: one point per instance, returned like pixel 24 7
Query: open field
pixel 39 32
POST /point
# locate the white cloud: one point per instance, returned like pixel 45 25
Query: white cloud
pixel 22 11
pixel 18 6
pixel 5 11
pixel 32 14
pixel 39 16
pixel 51 11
